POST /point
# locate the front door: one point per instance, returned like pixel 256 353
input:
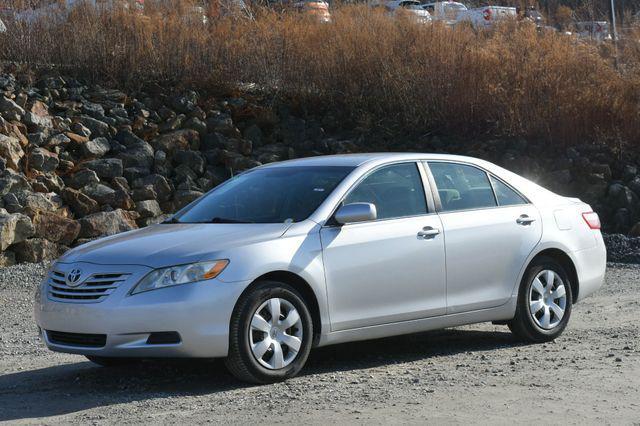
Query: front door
pixel 390 269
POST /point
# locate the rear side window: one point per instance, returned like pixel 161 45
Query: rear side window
pixel 505 195
pixel 462 187
pixel 395 190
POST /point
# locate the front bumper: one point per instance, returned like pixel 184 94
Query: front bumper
pixel 198 312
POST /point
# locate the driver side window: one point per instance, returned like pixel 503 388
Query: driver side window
pixel 395 190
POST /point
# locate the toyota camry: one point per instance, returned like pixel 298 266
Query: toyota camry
pixel 318 251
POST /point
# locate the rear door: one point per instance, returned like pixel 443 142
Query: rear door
pixel 490 230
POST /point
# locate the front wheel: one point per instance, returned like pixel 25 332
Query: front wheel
pixel 544 302
pixel 270 334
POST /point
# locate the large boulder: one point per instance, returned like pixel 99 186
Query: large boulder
pixel 11 151
pixel 7 258
pixel 160 184
pixel 80 204
pixel 11 181
pixel 82 178
pixel 96 127
pixel 37 117
pixel 107 168
pixel 9 106
pixel 43 160
pixel 148 208
pixel 14 228
pixel 95 148
pixel 179 140
pixel 55 228
pixel 107 223
pixel 101 193
pixel 35 250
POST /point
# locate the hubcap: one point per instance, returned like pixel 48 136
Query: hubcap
pixel 547 299
pixel 276 333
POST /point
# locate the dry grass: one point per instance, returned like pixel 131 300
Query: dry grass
pixel 365 65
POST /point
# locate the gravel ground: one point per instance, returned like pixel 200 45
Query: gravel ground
pixel 467 374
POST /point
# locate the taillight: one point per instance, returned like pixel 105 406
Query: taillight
pixel 592 219
pixel 487 14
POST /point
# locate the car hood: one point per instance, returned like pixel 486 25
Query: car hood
pixel 171 244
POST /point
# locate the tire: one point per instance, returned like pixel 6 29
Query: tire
pixel 544 324
pixel 280 361
pixel 112 361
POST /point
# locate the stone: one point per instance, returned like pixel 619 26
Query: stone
pixel 82 178
pixel 52 182
pixel 37 117
pixel 9 106
pixel 191 159
pixel 93 109
pixel 96 127
pixel 36 250
pixel 43 160
pixel 14 228
pixel 108 168
pixel 153 220
pixel 12 204
pixel 11 181
pixel 107 223
pixel 197 125
pixel 620 196
pixel 254 134
pixel 145 193
pixel 80 204
pixel 55 228
pixel 138 154
pixel 61 139
pixel 7 258
pixel 95 148
pixel 148 208
pixel 184 197
pixel 99 192
pixel 122 200
pixel 35 201
pixel 11 151
pixel 222 123
pixel 160 185
pixel 133 173
pixel 179 140
pixel 185 103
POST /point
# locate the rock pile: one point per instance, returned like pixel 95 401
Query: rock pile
pixel 81 161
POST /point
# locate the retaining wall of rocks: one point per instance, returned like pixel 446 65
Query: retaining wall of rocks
pixel 78 162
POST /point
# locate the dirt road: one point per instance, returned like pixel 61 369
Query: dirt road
pixel 468 374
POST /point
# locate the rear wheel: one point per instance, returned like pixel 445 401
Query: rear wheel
pixel 112 361
pixel 270 334
pixel 544 302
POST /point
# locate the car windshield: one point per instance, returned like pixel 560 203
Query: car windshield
pixel 268 195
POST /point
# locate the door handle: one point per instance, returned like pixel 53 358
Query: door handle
pixel 428 232
pixel 525 220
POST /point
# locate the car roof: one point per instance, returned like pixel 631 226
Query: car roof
pixel 356 160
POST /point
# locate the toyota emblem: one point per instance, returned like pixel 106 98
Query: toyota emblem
pixel 73 277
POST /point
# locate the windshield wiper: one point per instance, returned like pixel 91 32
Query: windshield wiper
pixel 226 220
pixel 171 220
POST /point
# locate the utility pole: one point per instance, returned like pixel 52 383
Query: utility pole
pixel 613 21
pixel 615 32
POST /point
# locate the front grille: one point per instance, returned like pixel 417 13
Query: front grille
pixel 77 339
pixel 94 289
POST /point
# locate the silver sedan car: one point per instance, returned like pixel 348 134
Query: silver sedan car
pixel 325 250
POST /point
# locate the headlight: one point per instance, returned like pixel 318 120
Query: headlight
pixel 182 274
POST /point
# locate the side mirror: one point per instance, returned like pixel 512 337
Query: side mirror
pixel 356 212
